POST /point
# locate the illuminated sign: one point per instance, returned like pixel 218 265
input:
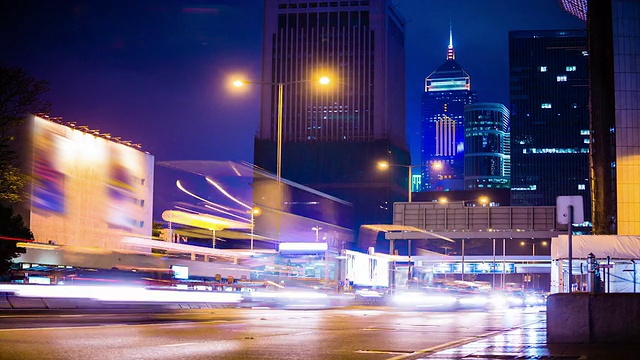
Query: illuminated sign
pixel 447 84
pixel 302 247
pixel 474 268
pixel 180 272
pixel 39 280
pixel 367 270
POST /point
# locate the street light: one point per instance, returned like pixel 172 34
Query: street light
pixel 255 211
pixel 523 243
pixel 484 200
pixel 323 80
pixel 384 165
pixel 533 245
pixel 317 230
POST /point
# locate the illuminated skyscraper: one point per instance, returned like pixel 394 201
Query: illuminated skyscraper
pixel 333 137
pixel 486 154
pixel 613 32
pixel 446 91
pixel 549 116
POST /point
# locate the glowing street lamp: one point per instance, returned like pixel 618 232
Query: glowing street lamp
pixel 255 211
pixel 384 165
pixel 323 80
pixel 317 230
pixel 483 200
pixel 524 243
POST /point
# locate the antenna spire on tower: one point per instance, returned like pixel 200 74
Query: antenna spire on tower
pixel 450 53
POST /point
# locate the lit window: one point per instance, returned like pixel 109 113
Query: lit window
pixel 586 141
pixel 584 132
pixel 561 78
pixel 546 105
pixel 543 69
pixel 582 187
pixel 571 68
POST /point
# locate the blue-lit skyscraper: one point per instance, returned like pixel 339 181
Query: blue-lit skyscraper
pixel 549 82
pixel 486 149
pixel 446 91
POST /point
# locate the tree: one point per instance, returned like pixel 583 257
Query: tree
pixel 11 226
pixel 20 95
pixel 156 230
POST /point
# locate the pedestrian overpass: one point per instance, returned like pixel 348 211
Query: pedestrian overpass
pixel 431 220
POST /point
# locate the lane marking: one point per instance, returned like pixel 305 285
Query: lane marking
pixel 380 352
pixel 102 326
pixel 180 344
pixel 460 342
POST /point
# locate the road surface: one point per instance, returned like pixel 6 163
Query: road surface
pixel 347 333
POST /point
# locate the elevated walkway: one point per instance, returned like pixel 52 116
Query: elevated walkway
pixel 430 220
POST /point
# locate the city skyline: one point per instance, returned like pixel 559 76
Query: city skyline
pixel 135 70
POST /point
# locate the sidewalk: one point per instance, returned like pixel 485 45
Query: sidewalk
pixel 529 342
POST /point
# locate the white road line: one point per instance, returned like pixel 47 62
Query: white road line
pixel 456 343
pixel 180 344
pixel 118 325
pixel 380 352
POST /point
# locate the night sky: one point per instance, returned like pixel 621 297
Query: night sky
pixel 155 72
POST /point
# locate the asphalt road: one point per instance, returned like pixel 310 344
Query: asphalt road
pixel 348 333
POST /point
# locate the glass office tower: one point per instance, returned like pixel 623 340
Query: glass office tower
pixel 549 116
pixel 613 30
pixel 333 137
pixel 486 156
pixel 446 91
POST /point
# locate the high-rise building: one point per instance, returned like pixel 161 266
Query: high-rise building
pixel 486 156
pixel 613 31
pixel 332 138
pixel 549 116
pixel 446 91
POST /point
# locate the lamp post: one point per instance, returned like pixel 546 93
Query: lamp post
pixel 323 80
pixel 255 211
pixel 533 253
pixel 482 200
pixel 317 230
pixel 383 165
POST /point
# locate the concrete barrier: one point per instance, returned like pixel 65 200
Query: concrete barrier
pixel 4 303
pixel 18 302
pixel 593 318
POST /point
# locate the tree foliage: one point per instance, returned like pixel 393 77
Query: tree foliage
pixel 11 226
pixel 20 95
pixel 156 230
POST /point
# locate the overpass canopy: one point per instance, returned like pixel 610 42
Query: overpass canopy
pixel 615 246
pixel 399 232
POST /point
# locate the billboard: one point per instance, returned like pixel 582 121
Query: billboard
pixel 366 270
pixel 87 190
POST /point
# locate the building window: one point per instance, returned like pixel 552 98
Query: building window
pixel 582 187
pixel 586 141
pixel 584 132
pixel 571 68
pixel 543 69
pixel 546 105
pixel 561 78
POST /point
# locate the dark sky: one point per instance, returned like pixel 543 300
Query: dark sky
pixel 155 71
